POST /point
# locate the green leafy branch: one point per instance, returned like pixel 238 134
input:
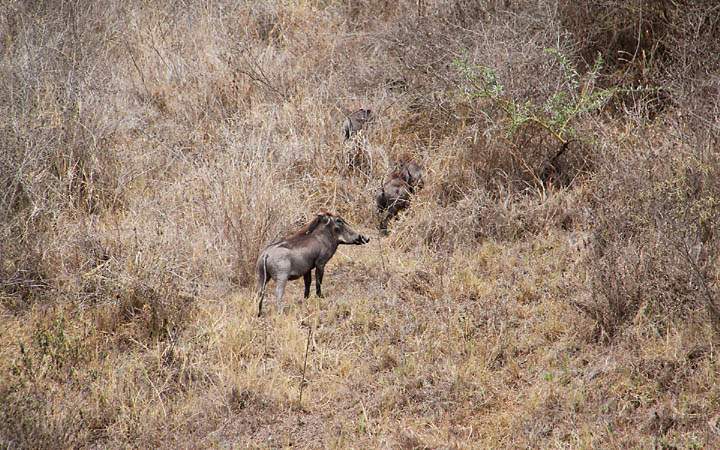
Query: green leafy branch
pixel 557 113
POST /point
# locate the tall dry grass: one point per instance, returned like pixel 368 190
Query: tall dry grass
pixel 151 150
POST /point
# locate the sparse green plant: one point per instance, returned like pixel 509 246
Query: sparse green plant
pixel 50 353
pixel 578 95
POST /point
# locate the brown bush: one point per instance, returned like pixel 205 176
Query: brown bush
pixel 654 240
pixel 150 151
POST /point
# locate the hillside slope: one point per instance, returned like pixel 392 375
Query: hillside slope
pixel 553 284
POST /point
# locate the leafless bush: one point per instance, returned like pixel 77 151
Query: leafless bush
pixel 653 242
pixel 250 211
pixel 647 47
pixel 150 151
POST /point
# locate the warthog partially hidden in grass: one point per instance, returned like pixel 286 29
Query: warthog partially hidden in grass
pixel 395 194
pixel 297 255
pixel 355 122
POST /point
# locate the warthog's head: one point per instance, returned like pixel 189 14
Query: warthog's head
pixel 365 115
pixel 341 230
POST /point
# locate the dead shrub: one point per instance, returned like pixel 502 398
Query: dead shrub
pixel 646 47
pixel 619 29
pixel 28 421
pixel 654 240
pixel 252 213
pixel 156 313
pixel 151 150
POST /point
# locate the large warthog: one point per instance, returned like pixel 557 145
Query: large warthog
pixel 355 122
pixel 394 196
pixel 297 255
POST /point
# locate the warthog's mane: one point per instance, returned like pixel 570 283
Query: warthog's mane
pixel 309 227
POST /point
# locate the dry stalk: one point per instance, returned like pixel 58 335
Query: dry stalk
pixel 303 380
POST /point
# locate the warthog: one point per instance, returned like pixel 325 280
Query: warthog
pixel 297 255
pixel 355 122
pixel 395 194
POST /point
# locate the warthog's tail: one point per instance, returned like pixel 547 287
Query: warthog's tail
pixel 262 282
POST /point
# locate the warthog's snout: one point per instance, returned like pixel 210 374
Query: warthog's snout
pixel 361 240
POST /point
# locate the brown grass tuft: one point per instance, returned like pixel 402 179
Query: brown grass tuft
pixel 150 151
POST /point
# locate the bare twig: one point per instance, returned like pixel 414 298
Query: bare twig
pixel 256 74
pixel 137 68
pixel 303 380
pixel 709 297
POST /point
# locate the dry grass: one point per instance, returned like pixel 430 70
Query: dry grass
pixel 150 151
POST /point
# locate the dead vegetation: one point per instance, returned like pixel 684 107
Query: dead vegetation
pixel 554 283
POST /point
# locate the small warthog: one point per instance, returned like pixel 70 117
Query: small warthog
pixel 394 196
pixel 355 122
pixel 297 255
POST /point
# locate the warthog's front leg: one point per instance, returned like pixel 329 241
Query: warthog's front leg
pixel 319 271
pixel 307 278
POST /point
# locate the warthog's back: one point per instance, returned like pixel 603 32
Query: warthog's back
pixel 395 193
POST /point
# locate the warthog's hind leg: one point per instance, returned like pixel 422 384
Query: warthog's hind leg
pixel 261 294
pixel 279 292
